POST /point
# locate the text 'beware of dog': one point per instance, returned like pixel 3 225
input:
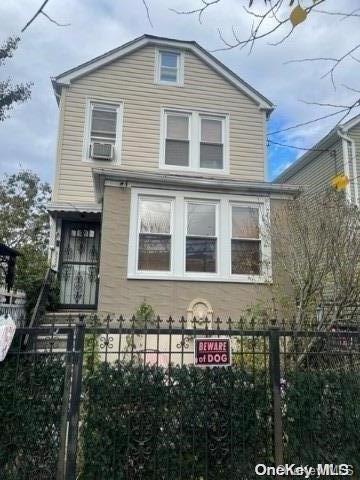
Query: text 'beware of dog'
pixel 212 352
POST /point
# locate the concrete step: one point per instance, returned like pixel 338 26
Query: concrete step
pixel 55 343
pixel 64 317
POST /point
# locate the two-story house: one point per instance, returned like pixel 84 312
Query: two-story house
pixel 338 153
pixel 160 191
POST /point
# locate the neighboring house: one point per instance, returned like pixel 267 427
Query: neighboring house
pixel 160 191
pixel 337 153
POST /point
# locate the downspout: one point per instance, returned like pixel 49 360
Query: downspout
pixel 345 138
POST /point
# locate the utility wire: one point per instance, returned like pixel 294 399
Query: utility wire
pixel 298 148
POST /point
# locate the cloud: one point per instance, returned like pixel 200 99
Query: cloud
pixel 28 137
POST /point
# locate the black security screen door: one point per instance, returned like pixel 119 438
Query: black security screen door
pixel 80 246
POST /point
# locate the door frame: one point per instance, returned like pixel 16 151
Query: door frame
pixel 76 306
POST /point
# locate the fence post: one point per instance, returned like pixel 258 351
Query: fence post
pixel 60 473
pixel 278 446
pixel 74 410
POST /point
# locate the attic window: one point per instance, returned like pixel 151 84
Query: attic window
pixel 169 69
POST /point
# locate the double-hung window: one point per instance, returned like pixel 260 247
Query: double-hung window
pixel 103 131
pixel 194 141
pixel 177 139
pixel 201 237
pixel 170 66
pixel 245 241
pixel 154 232
pixel 211 143
pixel 103 122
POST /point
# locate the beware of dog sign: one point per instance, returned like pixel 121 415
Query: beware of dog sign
pixel 212 352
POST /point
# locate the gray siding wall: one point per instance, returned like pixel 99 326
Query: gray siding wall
pixel 317 175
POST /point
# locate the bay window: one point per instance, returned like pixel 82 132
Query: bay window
pixel 198 236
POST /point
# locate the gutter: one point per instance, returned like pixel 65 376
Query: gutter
pixel 345 138
pixel 200 183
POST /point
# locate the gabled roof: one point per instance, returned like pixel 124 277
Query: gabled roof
pixel 326 142
pixel 74 73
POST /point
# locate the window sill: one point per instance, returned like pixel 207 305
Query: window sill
pixel 249 279
pixel 114 161
pixel 169 84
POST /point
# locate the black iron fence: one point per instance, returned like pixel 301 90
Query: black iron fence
pixel 119 399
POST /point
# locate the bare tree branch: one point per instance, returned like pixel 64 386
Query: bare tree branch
pixel 336 62
pixel 340 14
pixel 332 105
pixel 37 13
pixel 54 21
pixel 199 11
pixel 147 12
pixel 351 88
pixel 255 31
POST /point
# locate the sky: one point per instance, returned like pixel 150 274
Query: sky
pixel 28 137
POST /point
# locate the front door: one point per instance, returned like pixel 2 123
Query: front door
pixel 79 264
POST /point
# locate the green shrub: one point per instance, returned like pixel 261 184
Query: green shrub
pixel 322 418
pixel 145 422
pixel 31 395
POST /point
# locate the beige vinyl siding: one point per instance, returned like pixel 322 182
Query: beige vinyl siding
pixel 131 81
pixel 317 175
pixel 118 295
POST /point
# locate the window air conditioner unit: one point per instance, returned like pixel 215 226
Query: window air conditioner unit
pixel 102 151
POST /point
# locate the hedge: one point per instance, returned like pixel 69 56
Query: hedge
pixel 145 422
pixel 31 395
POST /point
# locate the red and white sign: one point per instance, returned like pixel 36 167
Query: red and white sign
pixel 212 352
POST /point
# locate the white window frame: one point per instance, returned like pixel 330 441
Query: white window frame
pixel 180 67
pixel 195 117
pixel 182 113
pixel 155 198
pixel 90 102
pixel 202 201
pixel 265 254
pixel 224 204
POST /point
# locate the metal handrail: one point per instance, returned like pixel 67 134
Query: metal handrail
pixel 39 301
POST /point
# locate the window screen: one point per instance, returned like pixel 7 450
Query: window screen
pixel 201 239
pixel 169 66
pixel 245 241
pixel 211 143
pixel 103 122
pixel 177 140
pixel 154 235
